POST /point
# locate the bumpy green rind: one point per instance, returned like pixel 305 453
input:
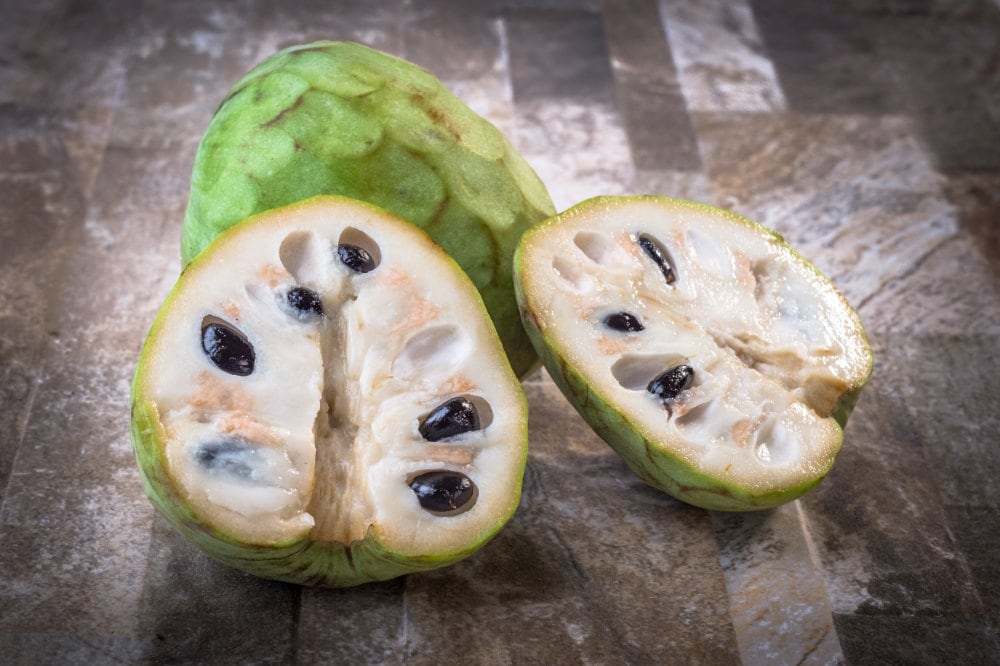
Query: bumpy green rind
pixel 642 452
pixel 340 118
pixel 303 561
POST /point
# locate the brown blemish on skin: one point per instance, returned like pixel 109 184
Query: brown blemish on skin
pixel 281 115
pixel 441 119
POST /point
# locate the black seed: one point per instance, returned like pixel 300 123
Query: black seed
pixel 227 348
pixel 668 385
pixel 449 419
pixel 356 258
pixel 624 321
pixel 443 491
pixel 305 301
pixel 227 456
pixel 653 251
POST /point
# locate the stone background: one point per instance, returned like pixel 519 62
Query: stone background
pixel 866 131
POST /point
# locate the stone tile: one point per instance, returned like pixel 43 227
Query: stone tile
pixel 918 7
pixel 193 608
pixel 825 60
pixel 39 202
pixel 463 44
pixel 558 55
pixel 689 185
pixel 518 600
pixel 878 521
pixel 974 528
pixel 644 566
pixel 919 300
pixel 592 6
pixel 58 648
pixel 595 567
pixel 77 94
pixel 456 40
pixel 875 61
pixel 950 387
pixel 915 640
pixel 75 517
pixel 778 601
pixel 857 196
pixel 74 522
pixel 648 96
pixel 566 124
pixel 578 150
pixel 191 54
pixel 361 625
pixel 721 60
pixel 946 88
pixel 54 116
pixel 977 198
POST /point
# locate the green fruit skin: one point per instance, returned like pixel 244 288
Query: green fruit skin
pixel 303 561
pixel 645 456
pixel 340 118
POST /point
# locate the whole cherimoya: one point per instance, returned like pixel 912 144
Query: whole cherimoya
pixel 341 118
pixel 716 361
pixel 323 400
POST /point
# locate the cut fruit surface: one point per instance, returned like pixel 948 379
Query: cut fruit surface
pixel 719 363
pixel 322 399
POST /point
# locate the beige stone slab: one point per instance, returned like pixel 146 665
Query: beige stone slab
pixel 643 565
pixel 578 150
pixel 192 608
pixel 465 45
pixel 77 94
pixel 355 625
pixel 721 61
pixel 777 596
pixel 878 519
pixel 647 94
pixel 857 196
pixel 38 202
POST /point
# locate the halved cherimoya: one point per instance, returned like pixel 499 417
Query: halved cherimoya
pixel 323 400
pixel 715 360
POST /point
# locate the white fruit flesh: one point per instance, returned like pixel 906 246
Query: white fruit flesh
pixel 322 439
pixel 773 345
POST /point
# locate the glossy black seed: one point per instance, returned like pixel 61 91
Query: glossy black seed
pixel 305 301
pixel 227 348
pixel 356 258
pixel 653 251
pixel 624 321
pixel 448 419
pixel 668 385
pixel 227 456
pixel 443 491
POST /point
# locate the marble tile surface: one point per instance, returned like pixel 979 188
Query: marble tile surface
pixel 834 123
